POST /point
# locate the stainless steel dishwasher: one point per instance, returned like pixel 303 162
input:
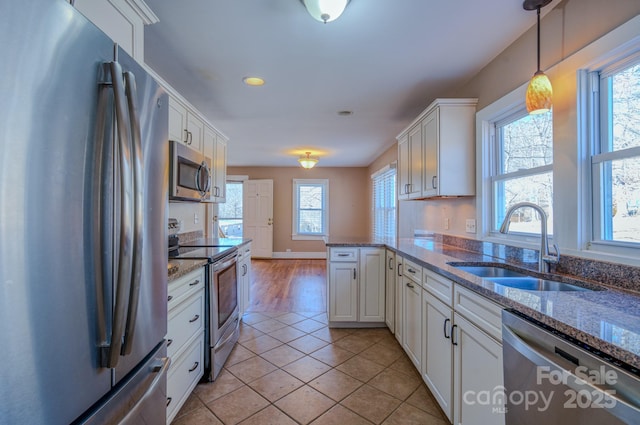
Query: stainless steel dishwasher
pixel 550 380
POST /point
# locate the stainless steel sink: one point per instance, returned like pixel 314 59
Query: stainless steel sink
pixel 527 283
pixel 501 275
pixel 490 271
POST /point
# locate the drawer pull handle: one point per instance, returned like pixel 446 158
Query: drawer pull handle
pixel 195 282
pixel 343 255
pixel 195 366
pixel 410 270
pixel 169 298
pixel 169 401
pixel 196 317
pixel 409 285
pixel 169 342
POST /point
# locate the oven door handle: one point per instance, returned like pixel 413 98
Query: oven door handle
pixel 223 342
pixel 618 407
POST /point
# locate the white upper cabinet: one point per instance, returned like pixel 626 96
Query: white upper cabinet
pixel 438 148
pixel 215 147
pixel 122 20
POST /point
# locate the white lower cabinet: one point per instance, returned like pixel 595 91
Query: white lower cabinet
pixel 356 287
pixel 244 277
pixel 437 351
pixel 477 375
pixel 371 285
pixel 390 291
pixel 397 283
pixel 412 320
pixel 462 351
pixel 343 292
pixel 185 338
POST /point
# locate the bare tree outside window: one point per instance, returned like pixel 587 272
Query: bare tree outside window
pixel 524 170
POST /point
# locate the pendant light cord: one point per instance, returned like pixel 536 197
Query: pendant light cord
pixel 538 8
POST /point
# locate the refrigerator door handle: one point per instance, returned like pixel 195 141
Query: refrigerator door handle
pixel 124 226
pixel 100 226
pixel 138 216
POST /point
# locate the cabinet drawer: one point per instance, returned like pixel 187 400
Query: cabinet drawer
pixel 482 312
pixel 183 376
pixel 343 254
pixel 185 320
pixel 182 287
pixel 412 270
pixel 439 286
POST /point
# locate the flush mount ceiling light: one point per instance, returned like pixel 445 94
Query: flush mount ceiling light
pixel 539 92
pixel 308 161
pixel 253 81
pixel 325 10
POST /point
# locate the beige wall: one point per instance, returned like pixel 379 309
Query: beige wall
pixel 569 27
pixel 349 202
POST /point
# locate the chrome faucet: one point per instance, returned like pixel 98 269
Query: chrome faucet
pixel 544 257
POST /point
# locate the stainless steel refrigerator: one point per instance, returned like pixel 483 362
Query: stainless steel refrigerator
pixel 83 205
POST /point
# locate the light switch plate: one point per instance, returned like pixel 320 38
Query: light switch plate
pixel 470 225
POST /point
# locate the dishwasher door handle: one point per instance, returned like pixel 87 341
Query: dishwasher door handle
pixel 620 408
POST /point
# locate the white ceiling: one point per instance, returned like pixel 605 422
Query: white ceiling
pixel 385 60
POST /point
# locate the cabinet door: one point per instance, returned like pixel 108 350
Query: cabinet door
pixel 390 291
pixel 477 370
pixel 430 137
pixel 343 292
pixel 399 300
pixel 372 291
pixel 195 130
pixel 404 168
pixel 220 170
pixel 437 351
pixel 412 320
pixel 415 158
pixel 177 121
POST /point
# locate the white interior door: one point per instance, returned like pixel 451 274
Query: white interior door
pixel 258 216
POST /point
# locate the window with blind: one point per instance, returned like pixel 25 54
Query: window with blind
pixel 384 203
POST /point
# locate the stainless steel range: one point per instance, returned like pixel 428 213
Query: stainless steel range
pixel 222 319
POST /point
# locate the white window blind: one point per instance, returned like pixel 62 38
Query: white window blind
pixel 384 203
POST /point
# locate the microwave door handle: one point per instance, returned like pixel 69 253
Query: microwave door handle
pixel 123 273
pixel 138 216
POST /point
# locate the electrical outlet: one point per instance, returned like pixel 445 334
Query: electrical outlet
pixel 446 224
pixel 196 219
pixel 470 225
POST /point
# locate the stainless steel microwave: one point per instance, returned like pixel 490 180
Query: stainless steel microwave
pixel 189 174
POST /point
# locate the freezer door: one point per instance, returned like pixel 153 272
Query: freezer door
pixel 49 363
pixel 147 311
pixel 140 399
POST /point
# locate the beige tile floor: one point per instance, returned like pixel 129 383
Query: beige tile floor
pixel 290 368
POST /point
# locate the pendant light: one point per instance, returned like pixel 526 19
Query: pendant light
pixel 325 10
pixel 539 92
pixel 308 161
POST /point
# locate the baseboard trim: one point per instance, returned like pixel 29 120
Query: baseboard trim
pixel 303 255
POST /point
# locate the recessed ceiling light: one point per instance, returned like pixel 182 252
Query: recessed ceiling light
pixel 253 81
pixel 345 113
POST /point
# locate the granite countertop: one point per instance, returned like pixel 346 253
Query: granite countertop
pixel 179 268
pixel 607 320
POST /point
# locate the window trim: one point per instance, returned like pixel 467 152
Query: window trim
pixel 295 216
pixel 499 111
pixel 589 112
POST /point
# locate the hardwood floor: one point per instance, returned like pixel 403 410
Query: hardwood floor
pixel 288 285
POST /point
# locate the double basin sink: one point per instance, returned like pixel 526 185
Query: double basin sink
pixel 501 275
